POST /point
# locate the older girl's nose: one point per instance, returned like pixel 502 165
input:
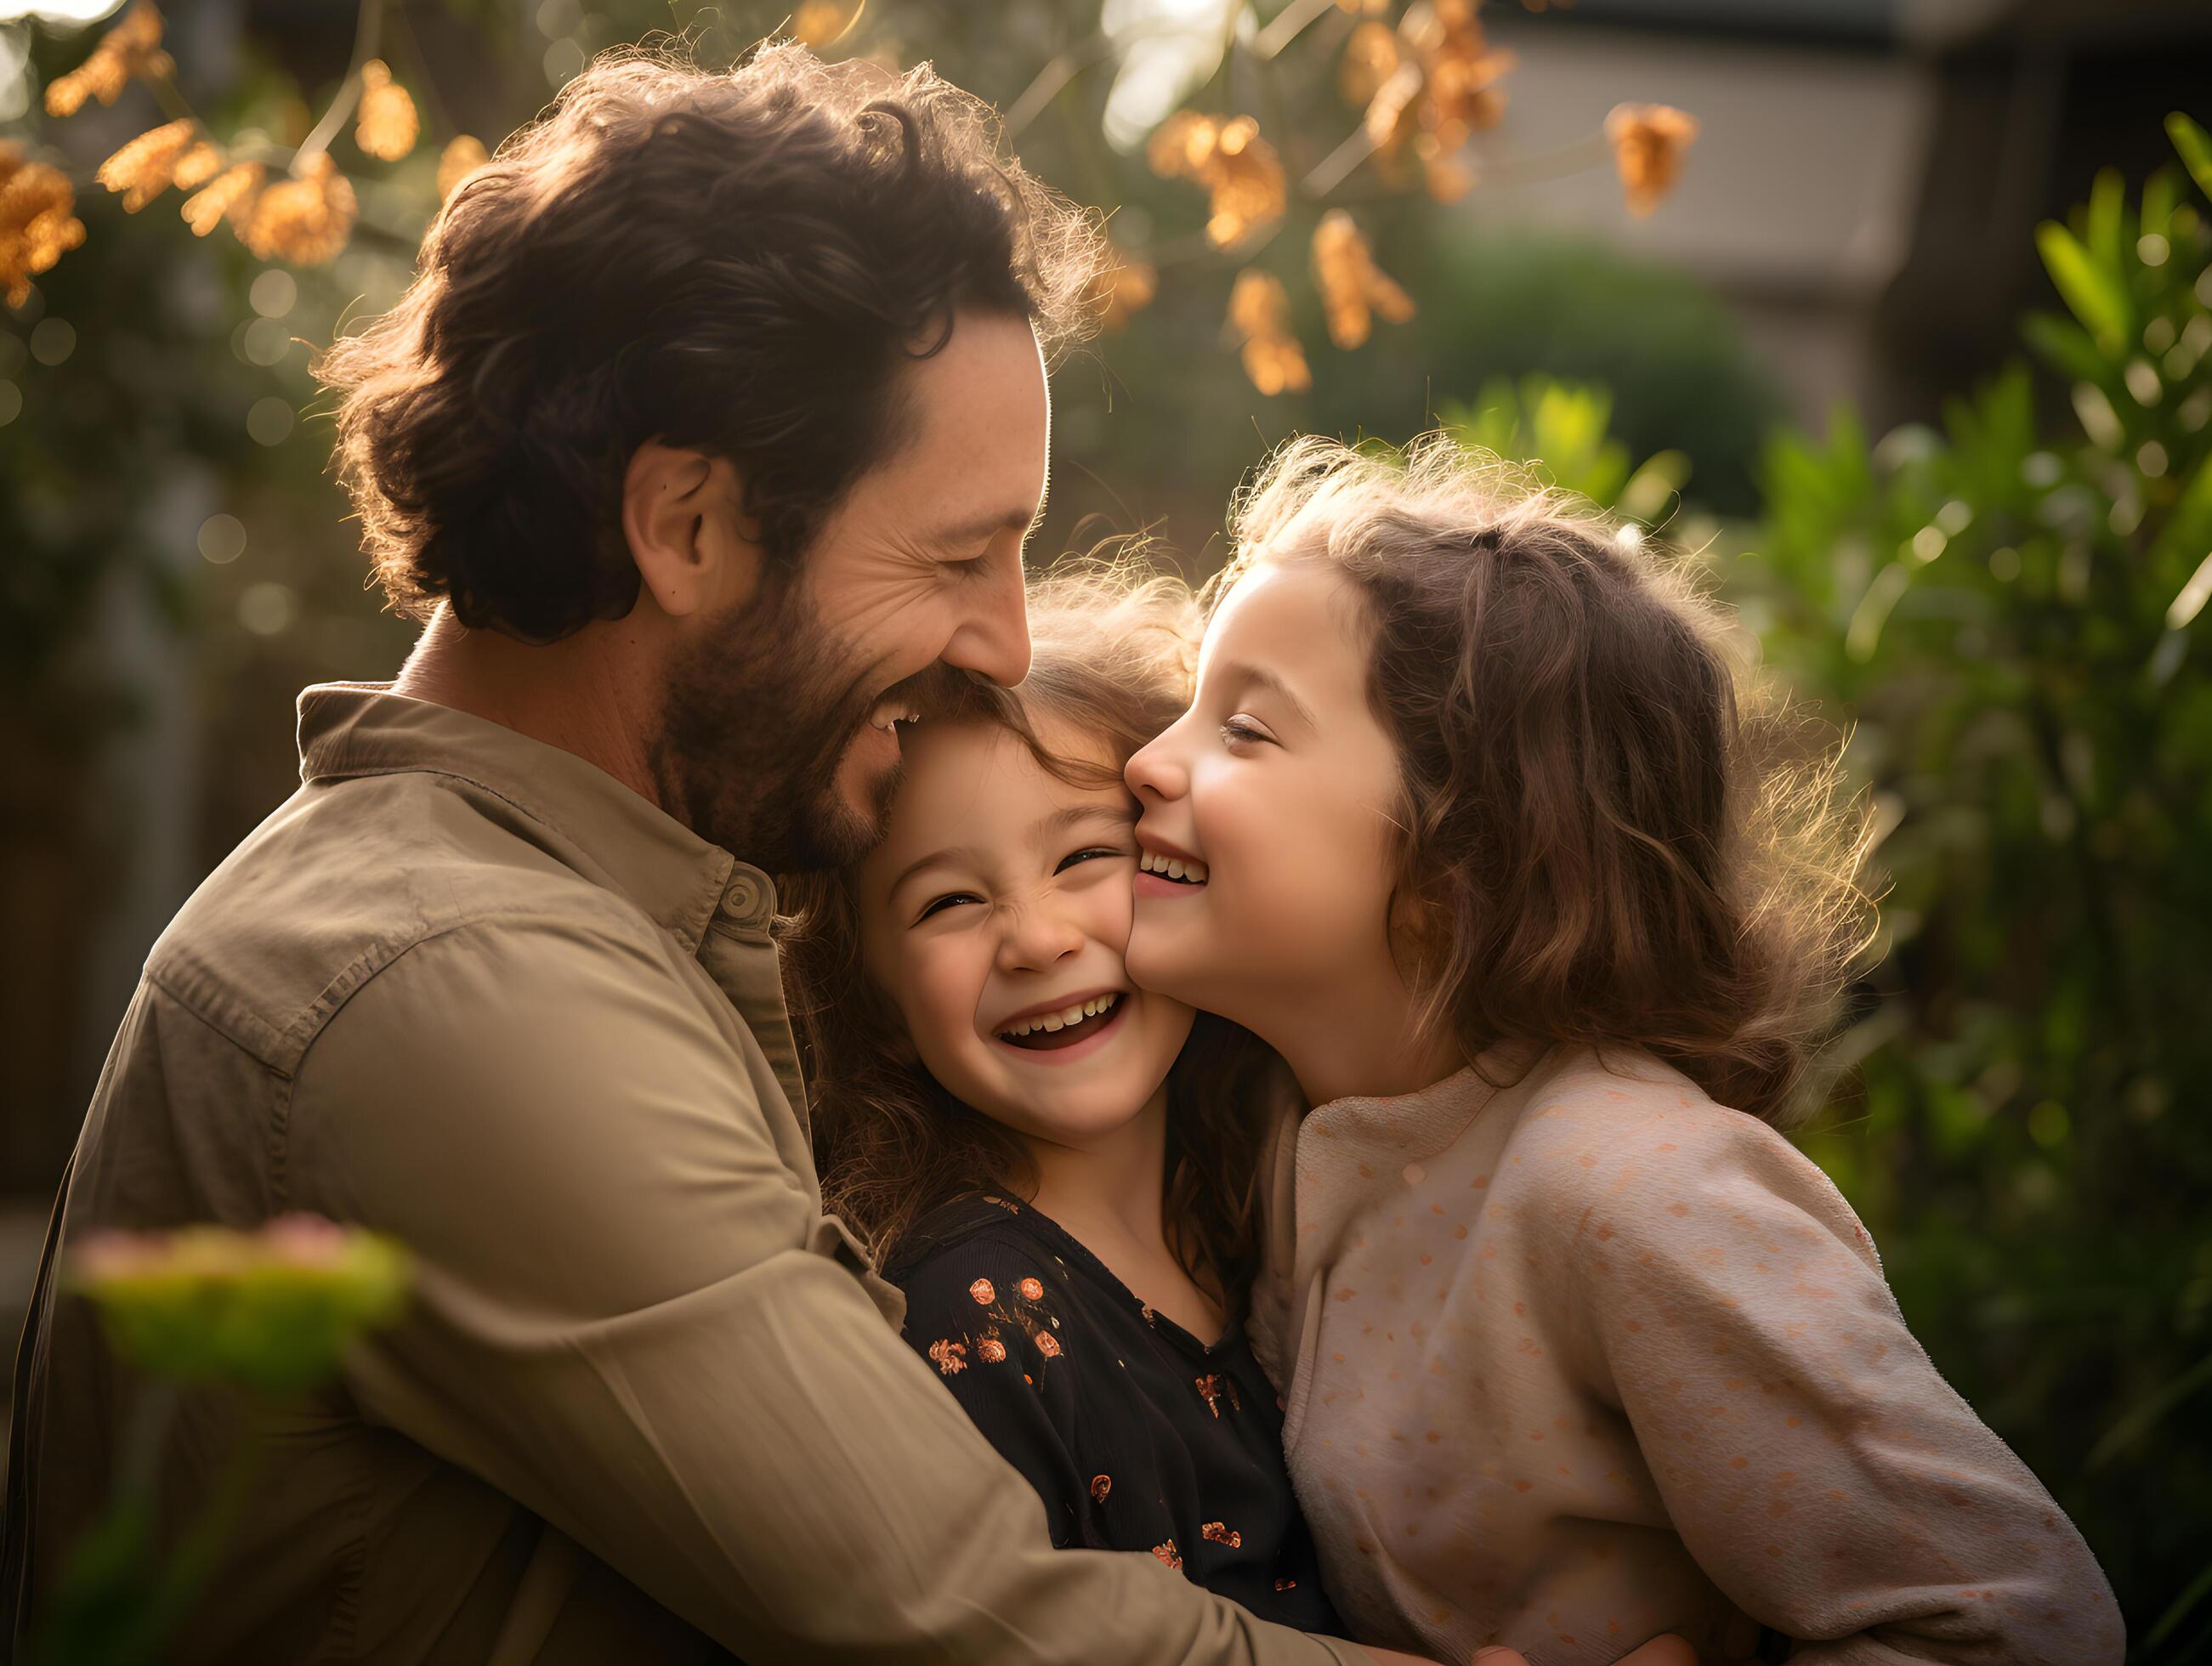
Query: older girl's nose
pixel 1156 772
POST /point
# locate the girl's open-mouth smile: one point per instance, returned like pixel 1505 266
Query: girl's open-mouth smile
pixel 1169 876
pixel 1076 1030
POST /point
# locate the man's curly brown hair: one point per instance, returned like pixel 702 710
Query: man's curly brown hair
pixel 740 264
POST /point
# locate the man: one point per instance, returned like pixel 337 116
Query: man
pixel 708 437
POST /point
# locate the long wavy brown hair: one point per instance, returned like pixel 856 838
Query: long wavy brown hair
pixel 1114 647
pixel 1612 833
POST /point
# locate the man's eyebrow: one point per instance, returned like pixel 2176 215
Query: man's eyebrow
pixel 982 528
pixel 1267 679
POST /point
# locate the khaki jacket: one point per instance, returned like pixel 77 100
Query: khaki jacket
pixel 650 1402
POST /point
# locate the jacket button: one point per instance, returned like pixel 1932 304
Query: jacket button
pixel 746 898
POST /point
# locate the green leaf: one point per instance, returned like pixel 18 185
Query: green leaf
pixel 2157 195
pixel 2094 293
pixel 2108 202
pixel 2068 349
pixel 2194 147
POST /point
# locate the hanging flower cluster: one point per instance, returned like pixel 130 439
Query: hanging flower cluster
pixel 1426 86
pixel 38 221
pixel 1648 141
pixel 1240 170
pixel 1260 313
pixel 132 47
pixel 305 214
pixel 1352 286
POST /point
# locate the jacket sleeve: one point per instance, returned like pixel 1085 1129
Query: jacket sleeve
pixel 1815 1463
pixel 631 1317
pixel 966 1316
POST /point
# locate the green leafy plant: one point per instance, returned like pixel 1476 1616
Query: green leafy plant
pixel 2009 609
pixel 1564 429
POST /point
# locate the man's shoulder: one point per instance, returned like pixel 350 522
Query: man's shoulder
pixel 341 882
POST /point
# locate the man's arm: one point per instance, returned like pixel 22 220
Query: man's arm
pixel 619 1325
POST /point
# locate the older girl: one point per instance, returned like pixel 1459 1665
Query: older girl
pixel 1467 820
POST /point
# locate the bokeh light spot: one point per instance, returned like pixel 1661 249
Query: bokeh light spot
pixel 270 422
pixel 268 610
pixel 222 539
pixel 273 293
pixel 52 340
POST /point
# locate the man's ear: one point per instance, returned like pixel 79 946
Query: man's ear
pixel 683 515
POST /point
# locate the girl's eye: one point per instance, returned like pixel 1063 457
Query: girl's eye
pixel 1088 855
pixel 951 899
pixel 1238 729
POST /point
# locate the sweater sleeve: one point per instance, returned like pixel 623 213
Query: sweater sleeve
pixel 1814 1462
pixel 977 1312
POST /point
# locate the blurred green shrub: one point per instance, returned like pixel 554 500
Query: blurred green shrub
pixel 1567 429
pixel 2011 618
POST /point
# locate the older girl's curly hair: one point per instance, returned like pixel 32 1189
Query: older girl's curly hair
pixel 1113 648
pixel 736 262
pixel 1610 835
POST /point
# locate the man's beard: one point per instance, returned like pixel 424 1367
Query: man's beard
pixel 756 714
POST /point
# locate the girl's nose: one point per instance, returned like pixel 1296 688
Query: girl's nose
pixel 1156 772
pixel 1036 938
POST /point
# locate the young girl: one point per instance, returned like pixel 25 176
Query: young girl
pixel 1467 820
pixel 1043 1156
pixel 1054 1165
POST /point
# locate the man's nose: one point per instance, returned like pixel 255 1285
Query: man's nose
pixel 993 640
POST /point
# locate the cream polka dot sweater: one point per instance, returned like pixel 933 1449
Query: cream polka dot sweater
pixel 1573 1362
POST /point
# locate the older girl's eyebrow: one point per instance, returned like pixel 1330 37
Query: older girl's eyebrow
pixel 1260 676
pixel 1056 821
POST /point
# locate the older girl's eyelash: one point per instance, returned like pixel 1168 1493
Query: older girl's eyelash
pixel 1237 729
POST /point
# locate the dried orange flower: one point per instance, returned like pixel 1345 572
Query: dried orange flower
pixel 818 22
pixel 1352 286
pixel 147 166
pixel 231 194
pixel 1259 312
pixel 1226 155
pixel 1648 142
pixel 196 166
pixel 132 47
pixel 1371 57
pixel 461 158
pixel 386 125
pixel 1370 7
pixel 38 221
pixel 305 220
pixel 1125 285
pixel 1441 83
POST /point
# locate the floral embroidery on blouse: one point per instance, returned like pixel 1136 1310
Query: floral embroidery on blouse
pixel 992 1350
pixel 1210 1388
pixel 1010 1207
pixel 1286 1583
pixel 1032 1290
pixel 1047 1345
pixel 1220 1533
pixel 1100 1486
pixel 947 1354
pixel 983 1291
pixel 1168 1553
pixel 1146 1307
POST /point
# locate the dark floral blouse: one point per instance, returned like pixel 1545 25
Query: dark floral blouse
pixel 1137 1435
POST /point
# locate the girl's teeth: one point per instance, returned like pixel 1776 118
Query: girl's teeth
pixel 1172 867
pixel 1061 1021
